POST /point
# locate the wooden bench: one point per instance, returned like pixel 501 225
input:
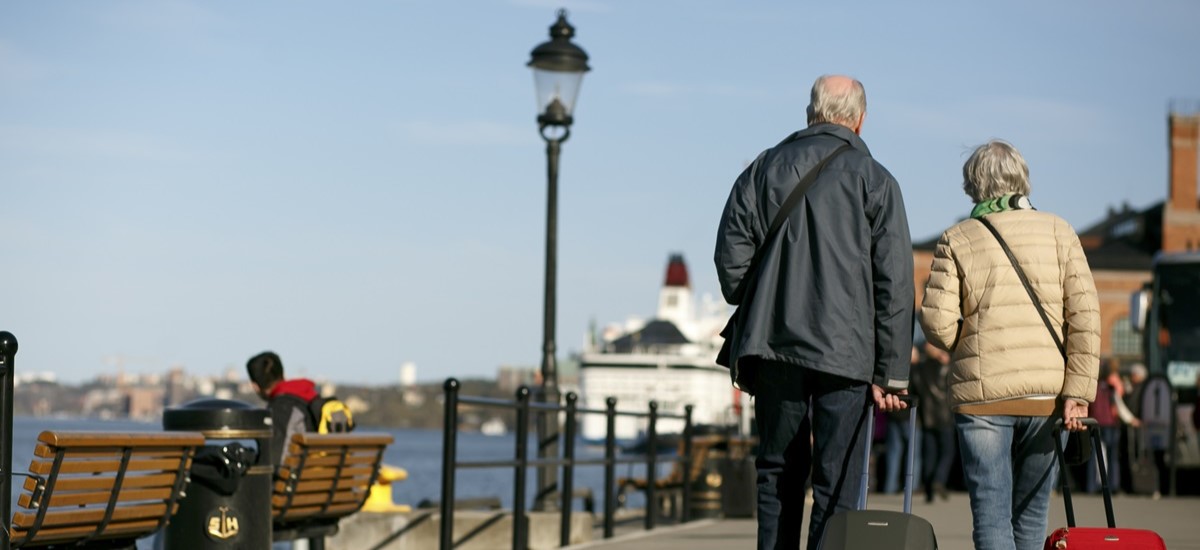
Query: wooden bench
pixel 101 490
pixel 669 490
pixel 323 478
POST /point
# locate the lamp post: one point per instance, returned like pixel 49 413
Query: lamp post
pixel 558 66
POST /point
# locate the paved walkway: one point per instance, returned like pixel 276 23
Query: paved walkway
pixel 1177 520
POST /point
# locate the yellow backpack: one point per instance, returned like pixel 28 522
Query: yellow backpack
pixel 330 415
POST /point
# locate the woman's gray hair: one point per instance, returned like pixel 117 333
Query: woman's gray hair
pixel 837 106
pixel 995 169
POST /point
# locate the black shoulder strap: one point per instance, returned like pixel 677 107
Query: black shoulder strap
pixel 313 408
pixel 784 209
pixel 1028 287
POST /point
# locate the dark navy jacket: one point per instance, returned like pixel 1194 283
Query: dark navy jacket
pixel 835 286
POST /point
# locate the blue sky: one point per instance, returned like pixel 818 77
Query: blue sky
pixel 359 184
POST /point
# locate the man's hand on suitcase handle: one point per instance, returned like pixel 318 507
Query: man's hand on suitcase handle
pixel 887 401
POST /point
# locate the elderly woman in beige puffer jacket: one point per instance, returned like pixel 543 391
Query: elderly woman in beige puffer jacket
pixel 1009 379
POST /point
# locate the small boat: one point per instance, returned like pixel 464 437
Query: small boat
pixel 493 427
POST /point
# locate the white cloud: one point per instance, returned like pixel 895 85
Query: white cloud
pixel 476 132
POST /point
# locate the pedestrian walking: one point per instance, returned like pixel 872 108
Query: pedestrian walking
pixel 824 319
pixel 1011 296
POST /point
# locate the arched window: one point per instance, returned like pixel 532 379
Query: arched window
pixel 1125 341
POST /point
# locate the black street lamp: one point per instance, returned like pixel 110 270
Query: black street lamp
pixel 558 66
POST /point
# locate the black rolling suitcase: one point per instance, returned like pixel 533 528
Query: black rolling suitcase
pixel 864 529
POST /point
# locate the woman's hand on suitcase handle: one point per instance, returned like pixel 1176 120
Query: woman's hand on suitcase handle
pixel 1073 411
pixel 888 401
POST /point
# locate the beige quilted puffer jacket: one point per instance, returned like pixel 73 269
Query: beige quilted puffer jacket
pixel 1003 350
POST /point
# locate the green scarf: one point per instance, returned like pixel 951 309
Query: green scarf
pixel 1011 201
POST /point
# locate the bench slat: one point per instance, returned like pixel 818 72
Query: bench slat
pixel 107 439
pixel 296 448
pixel 318 499
pixel 324 487
pixel 46 451
pixel 320 485
pixel 59 498
pixel 331 459
pixel 44 467
pixel 294 513
pixel 68 534
pixel 318 441
pixel 309 474
pixel 90 516
pixel 95 483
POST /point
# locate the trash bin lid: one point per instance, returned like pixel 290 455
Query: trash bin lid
pixel 219 418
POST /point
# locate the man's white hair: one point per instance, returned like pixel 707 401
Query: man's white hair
pixel 836 105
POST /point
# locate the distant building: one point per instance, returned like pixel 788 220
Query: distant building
pixel 509 378
pixel 176 387
pixel 143 402
pixel 408 374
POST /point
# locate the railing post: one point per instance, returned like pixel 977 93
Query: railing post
pixel 519 539
pixel 685 515
pixel 568 473
pixel 8 350
pixel 449 459
pixel 651 467
pixel 610 466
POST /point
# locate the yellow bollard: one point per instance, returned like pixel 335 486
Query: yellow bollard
pixel 380 499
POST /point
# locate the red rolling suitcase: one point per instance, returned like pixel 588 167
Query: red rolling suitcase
pixel 864 529
pixel 1083 538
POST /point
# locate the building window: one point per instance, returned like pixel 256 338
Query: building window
pixel 1125 341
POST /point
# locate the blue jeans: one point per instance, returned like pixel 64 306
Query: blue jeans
pixel 1009 466
pixel 791 404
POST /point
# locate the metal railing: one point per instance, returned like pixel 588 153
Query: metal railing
pixel 521 463
pixel 8 350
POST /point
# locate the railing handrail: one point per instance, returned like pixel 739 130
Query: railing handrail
pixel 496 402
pixel 568 462
pixel 8 350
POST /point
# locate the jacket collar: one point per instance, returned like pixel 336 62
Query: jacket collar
pixel 836 130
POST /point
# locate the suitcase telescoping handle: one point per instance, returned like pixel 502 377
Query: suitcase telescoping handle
pixel 912 452
pixel 1093 429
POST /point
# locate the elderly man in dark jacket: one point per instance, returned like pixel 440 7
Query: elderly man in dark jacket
pixel 828 321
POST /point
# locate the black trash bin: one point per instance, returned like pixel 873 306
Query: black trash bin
pixel 739 490
pixel 228 503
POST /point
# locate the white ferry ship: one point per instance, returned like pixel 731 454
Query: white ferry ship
pixel 670 359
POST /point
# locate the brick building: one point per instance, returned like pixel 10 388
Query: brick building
pixel 1121 247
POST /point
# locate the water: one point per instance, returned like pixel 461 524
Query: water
pixel 417 451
